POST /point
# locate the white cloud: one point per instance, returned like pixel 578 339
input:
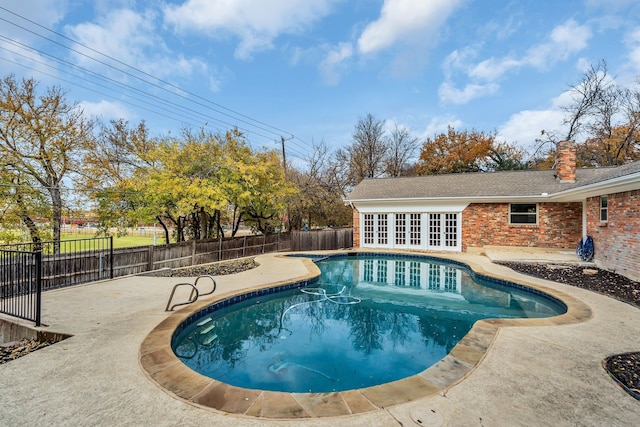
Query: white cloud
pixel 440 124
pixel 492 69
pixel 131 37
pixel 634 50
pixel 105 110
pixel 333 63
pixel 47 13
pixel 564 40
pixel 450 94
pixel 405 21
pixel 524 127
pixel 255 22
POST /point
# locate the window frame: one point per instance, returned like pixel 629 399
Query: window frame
pixel 523 214
pixel 604 208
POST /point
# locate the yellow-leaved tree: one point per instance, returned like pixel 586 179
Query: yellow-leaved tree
pixel 40 139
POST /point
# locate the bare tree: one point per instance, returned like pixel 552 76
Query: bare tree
pixel 319 199
pixel 367 154
pixel 403 146
pixel 603 118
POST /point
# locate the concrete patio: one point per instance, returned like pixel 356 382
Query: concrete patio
pixel 533 375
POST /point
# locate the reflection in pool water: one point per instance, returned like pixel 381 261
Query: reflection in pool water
pixel 366 321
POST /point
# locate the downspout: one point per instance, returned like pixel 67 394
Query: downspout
pixel 584 218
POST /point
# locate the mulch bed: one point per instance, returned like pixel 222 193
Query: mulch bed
pixel 217 269
pixel 624 368
pixel 12 350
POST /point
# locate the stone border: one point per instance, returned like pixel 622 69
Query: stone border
pixel 160 364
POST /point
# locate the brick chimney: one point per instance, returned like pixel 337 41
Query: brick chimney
pixel 566 161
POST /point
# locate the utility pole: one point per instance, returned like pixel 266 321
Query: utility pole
pixel 284 156
pixel 284 167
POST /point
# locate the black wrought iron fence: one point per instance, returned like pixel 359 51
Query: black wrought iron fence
pixel 71 262
pixel 21 284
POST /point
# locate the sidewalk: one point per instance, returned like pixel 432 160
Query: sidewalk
pixel 536 375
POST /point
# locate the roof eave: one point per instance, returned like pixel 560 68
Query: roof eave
pixel 614 185
pixel 467 199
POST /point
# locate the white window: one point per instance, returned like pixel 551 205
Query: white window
pixel 604 209
pixel 523 213
pixel 383 229
pixel 414 229
pixel 367 229
pixel 419 230
pixel 434 230
pixel 401 229
pixel 451 230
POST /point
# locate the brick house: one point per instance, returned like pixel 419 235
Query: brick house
pixel 548 208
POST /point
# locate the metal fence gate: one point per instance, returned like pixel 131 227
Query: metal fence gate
pixel 21 284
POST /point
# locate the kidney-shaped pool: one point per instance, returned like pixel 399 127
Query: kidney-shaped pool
pixel 367 320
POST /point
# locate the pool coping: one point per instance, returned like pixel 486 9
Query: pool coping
pixel 164 368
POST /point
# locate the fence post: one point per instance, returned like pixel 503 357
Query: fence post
pixel 111 256
pixel 244 245
pixel 38 260
pixel 193 253
pixel 150 259
pixel 220 249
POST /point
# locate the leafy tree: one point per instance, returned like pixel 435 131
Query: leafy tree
pixel 467 151
pixel 267 191
pixel 20 203
pixel 39 139
pixel 615 147
pixel 503 157
pixel 115 164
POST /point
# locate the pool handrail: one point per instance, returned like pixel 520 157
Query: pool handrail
pixel 195 293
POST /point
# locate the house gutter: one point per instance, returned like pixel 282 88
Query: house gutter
pixel 467 199
pixel 614 185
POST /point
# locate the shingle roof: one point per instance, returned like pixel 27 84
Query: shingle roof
pixel 485 184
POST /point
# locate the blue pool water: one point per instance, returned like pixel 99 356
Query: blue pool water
pixel 366 321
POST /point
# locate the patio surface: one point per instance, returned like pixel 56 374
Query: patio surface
pixel 547 374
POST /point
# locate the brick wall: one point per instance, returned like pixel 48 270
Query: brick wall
pixel 356 228
pixel 559 226
pixel 617 241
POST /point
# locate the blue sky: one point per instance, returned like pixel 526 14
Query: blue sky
pixel 312 68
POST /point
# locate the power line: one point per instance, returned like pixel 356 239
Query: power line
pixel 123 85
pixel 278 132
pixel 293 146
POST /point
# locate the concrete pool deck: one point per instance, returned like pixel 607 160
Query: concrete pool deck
pixel 530 375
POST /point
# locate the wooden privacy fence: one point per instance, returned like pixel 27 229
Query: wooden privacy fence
pixel 87 260
pixel 147 258
pixel 321 240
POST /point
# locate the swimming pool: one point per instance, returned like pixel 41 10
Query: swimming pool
pixel 367 320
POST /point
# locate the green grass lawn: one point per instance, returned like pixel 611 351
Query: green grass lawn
pixel 118 242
